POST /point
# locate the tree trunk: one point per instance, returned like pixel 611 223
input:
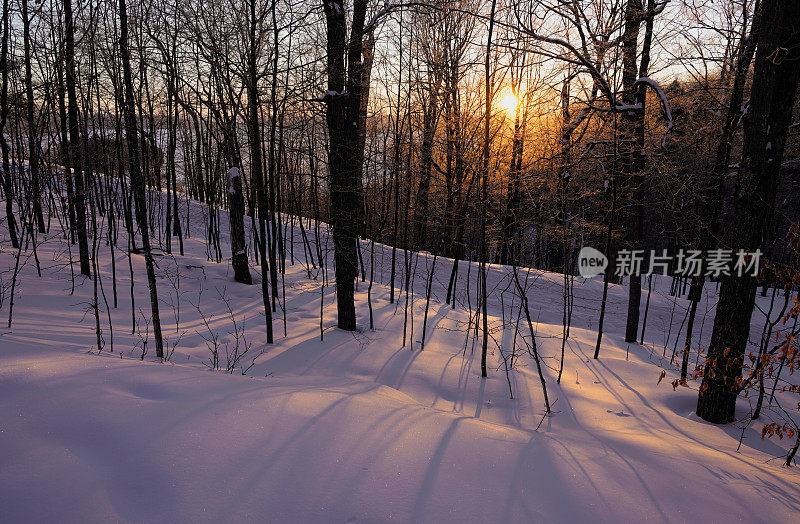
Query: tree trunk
pixel 774 86
pixel 241 269
pixel 257 170
pixel 136 180
pixel 74 139
pixel 484 183
pixel 343 100
pixel 511 215
pixel 633 159
pixel 34 143
pixel 712 202
pixel 430 118
pixel 8 188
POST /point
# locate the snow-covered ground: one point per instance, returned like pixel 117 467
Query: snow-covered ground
pixel 355 427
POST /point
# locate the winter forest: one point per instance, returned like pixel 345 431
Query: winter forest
pixel 413 261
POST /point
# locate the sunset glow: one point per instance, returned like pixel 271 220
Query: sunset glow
pixel 438 261
pixel 509 103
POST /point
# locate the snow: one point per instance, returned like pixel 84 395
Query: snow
pixel 335 6
pixel 663 97
pixel 623 108
pixel 356 428
pixel 380 13
pixel 329 95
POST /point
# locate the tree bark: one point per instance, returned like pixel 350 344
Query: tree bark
pixel 775 80
pixel 257 169
pixel 34 143
pixel 343 100
pixel 714 193
pixel 136 179
pixel 74 139
pixel 632 162
pixel 8 188
pixel 484 183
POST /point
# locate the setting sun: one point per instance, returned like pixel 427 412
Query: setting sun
pixel 509 102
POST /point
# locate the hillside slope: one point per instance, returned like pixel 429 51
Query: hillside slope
pixel 355 427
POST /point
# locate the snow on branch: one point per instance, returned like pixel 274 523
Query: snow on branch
pixel 329 96
pixel 383 11
pixel 335 6
pixel 663 97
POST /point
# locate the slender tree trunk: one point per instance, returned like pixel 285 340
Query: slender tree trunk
pixel 272 174
pixel 34 143
pixel 426 153
pixel 484 183
pixel 8 187
pixel 257 171
pixel 74 140
pixel 136 180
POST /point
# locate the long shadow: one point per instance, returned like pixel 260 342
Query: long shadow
pixel 302 357
pixel 657 412
pixel 426 489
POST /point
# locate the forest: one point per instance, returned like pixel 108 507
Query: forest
pixel 387 260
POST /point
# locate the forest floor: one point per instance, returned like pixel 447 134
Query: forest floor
pixel 356 427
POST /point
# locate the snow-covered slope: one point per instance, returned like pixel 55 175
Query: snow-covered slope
pixel 356 427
